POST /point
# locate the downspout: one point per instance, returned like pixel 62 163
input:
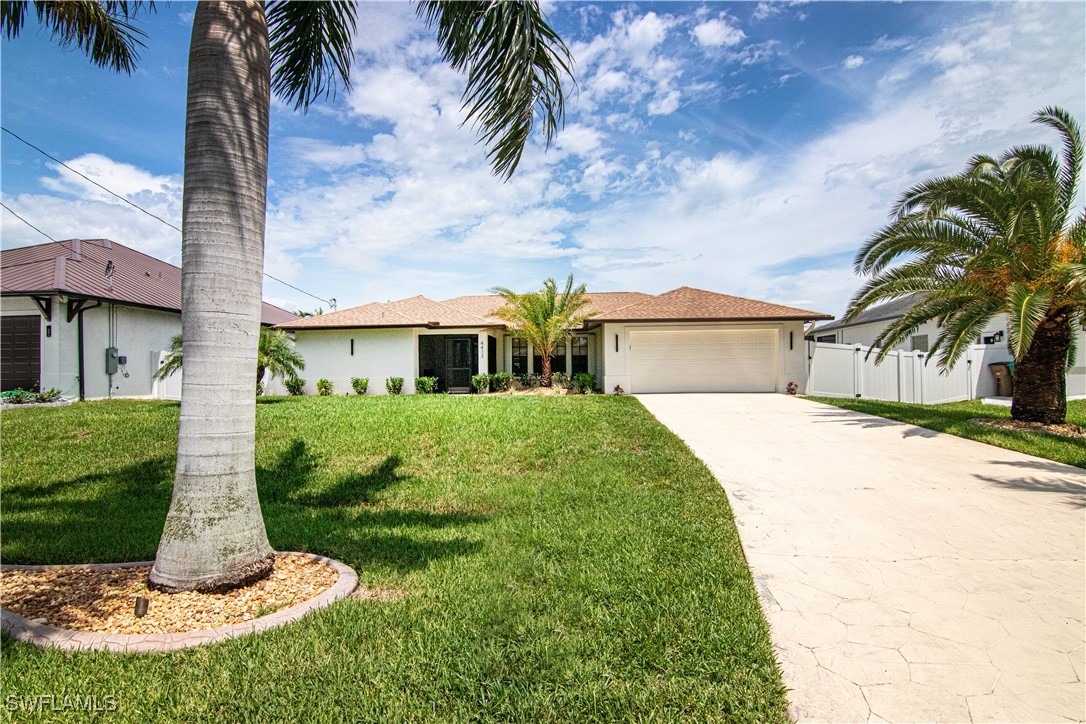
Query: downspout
pixel 79 328
pixel 79 308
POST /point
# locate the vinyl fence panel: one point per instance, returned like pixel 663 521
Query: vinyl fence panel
pixel 169 388
pixel 842 370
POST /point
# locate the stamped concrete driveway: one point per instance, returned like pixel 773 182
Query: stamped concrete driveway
pixel 907 575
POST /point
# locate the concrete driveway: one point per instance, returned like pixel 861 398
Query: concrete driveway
pixel 907 575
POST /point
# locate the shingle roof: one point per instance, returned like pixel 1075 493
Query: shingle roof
pixel 879 313
pixel 689 304
pixel 683 304
pixel 78 267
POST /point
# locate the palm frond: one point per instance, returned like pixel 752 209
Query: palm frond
pixel 311 49
pixel 1026 309
pixel 277 355
pixel 1063 122
pixel 102 30
pixel 515 63
pixel 547 317
pixel 961 327
pixel 174 360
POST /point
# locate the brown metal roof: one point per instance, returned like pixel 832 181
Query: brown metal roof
pixel 689 304
pixel 683 304
pixel 78 267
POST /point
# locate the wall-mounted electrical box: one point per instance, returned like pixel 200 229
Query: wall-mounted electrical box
pixel 112 360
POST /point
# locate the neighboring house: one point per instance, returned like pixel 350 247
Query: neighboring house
pixel 89 317
pixel 839 373
pixel 686 340
pixel 870 323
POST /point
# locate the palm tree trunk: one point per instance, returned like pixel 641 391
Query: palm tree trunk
pixel 214 537
pixel 1040 381
pixel 545 377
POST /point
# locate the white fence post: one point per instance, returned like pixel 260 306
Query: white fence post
pixel 857 373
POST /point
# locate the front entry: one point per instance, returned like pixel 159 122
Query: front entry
pixel 452 359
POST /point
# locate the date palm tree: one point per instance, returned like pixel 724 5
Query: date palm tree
pixel 240 53
pixel 275 355
pixel 1001 237
pixel 544 318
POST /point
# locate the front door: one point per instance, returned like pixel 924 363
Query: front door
pixel 458 358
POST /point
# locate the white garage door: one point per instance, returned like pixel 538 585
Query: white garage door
pixel 734 360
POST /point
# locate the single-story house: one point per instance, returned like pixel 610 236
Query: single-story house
pixel 685 340
pixel 90 317
pixel 870 323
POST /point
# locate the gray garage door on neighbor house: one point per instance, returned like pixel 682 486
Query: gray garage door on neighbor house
pixel 20 360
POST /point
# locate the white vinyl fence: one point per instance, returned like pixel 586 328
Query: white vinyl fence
pixel 846 370
pixel 169 388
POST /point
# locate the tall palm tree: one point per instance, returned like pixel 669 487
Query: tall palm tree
pixel 1001 237
pixel 544 318
pixel 275 354
pixel 214 536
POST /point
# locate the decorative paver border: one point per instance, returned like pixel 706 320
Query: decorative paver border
pixel 39 634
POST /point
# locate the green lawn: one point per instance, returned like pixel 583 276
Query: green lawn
pixel 954 417
pixel 553 559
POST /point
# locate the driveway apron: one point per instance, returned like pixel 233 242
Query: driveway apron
pixel 907 575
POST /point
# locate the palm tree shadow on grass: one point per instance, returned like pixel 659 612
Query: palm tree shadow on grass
pixel 337 519
pixel 117 514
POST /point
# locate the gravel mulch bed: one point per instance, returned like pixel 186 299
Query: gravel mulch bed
pixel 102 600
pixel 1067 429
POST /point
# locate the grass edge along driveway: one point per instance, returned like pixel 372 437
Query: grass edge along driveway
pixel 542 559
pixel 953 418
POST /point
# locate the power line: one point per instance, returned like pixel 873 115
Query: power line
pixel 87 178
pixel 12 212
pixel 84 252
pixel 65 244
pixel 330 302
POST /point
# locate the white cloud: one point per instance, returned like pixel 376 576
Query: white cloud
pixel 579 140
pixel 730 222
pixel 717 33
pixel 853 61
pixel 664 103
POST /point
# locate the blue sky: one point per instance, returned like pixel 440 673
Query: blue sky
pixel 746 148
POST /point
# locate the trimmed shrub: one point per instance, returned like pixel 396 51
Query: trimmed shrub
pixel 295 385
pixel 360 385
pixel 324 387
pixel 259 389
pixel 425 385
pixel 585 382
pixel 528 381
pixel 560 380
pixel 394 385
pixel 500 381
pixel 480 383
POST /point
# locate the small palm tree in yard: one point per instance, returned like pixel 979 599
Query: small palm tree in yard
pixel 544 318
pixel 241 53
pixel 275 355
pixel 1001 237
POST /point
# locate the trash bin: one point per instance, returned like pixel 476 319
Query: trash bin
pixel 1002 373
